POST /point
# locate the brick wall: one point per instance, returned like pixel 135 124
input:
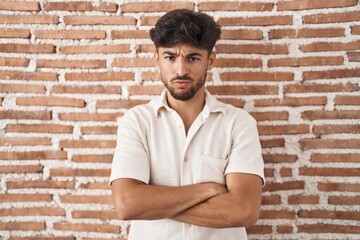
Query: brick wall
pixel 69 69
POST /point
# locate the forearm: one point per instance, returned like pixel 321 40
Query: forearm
pixel 146 202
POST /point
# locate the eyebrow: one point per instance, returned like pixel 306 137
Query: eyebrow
pixel 193 54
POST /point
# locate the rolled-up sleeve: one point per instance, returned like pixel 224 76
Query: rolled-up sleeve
pixel 130 158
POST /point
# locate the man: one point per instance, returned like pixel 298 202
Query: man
pixel 187 166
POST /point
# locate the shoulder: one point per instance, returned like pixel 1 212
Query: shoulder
pixel 139 113
pixel 238 116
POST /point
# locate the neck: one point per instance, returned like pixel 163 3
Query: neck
pixel 190 109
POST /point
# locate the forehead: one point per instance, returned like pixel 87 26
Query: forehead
pixel 182 49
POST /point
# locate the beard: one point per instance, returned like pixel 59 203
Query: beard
pixel 184 94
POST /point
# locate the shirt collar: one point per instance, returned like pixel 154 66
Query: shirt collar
pixel 212 105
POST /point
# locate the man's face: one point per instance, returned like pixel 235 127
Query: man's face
pixel 183 69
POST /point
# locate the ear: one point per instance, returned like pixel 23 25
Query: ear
pixel 211 60
pixel 156 58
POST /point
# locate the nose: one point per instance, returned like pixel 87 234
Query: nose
pixel 181 67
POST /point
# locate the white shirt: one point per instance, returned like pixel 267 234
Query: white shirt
pixel 152 146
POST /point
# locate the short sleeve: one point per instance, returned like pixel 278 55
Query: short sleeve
pixel 245 155
pixel 130 158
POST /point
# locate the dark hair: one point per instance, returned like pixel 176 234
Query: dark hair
pixel 185 26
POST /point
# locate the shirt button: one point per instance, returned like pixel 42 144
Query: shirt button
pixel 188 225
pixel 186 159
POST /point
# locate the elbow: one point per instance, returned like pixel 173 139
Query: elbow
pixel 246 218
pixel 123 209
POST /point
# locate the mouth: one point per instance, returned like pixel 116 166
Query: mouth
pixel 182 83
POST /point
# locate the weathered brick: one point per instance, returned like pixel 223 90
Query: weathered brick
pixel 96 185
pixel 272 143
pixel 14 62
pixel 271 200
pixel 330 46
pixel 133 62
pixel 269 172
pixel 279 158
pixel 80 6
pixel 303 199
pixel 256 21
pixel 50 101
pixel 22 226
pixel 22 88
pixel 87 143
pixel 46 237
pixel 306 33
pixel 85 64
pixel 305 61
pixel 347 100
pixel 29 19
pixel 253 48
pixel 277 214
pixel 257 76
pixel 14 33
pixel 32 76
pixel 106 158
pixel 284 229
pixel 355 30
pixel 41 184
pixel 331 74
pixel 100 76
pixel 313 4
pixel 259 229
pixel 105 215
pixel 235 6
pixel 233 101
pixel 34 197
pixel 307 88
pixel 146 90
pixel 339 187
pixel 95 49
pixel 331 129
pixel 283 129
pixel 87 227
pixel 340 114
pixel 290 101
pixel 354 56
pixel 290 185
pixel 328 228
pixel 33 211
pixel 93 89
pixel 327 214
pixel 332 157
pixel 145 48
pixel 238 62
pixel 132 34
pixel 34 155
pixel 19 6
pixel 26 48
pixel 22 169
pixel 99 130
pixel 347 16
pixel 39 128
pixel 70 34
pixel 271 115
pixel 243 90
pixel 83 199
pixel 149 20
pixel 329 143
pixel 155 6
pixel 119 103
pixel 344 200
pixel 99 20
pixel 24 141
pixel 328 171
pixel 89 116
pixel 12 114
pixel 62 172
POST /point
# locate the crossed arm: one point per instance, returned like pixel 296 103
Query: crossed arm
pixel 206 204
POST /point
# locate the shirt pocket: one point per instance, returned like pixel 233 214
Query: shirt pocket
pixel 211 169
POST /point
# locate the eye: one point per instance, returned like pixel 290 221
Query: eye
pixel 169 57
pixel 193 59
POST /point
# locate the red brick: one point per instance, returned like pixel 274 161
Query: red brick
pixel 83 199
pixel 256 21
pixel 22 88
pixel 283 129
pixel 257 76
pixel 339 187
pixel 303 199
pixel 99 20
pixel 67 172
pixel 328 228
pixel 87 227
pixel 41 237
pixel 29 19
pixel 313 4
pixel 277 214
pixel 146 90
pixel 14 62
pixel 264 49
pixel 233 101
pixel 235 6
pixel 238 62
pixel 39 115
pixel 105 158
pixel 155 6
pixel 84 64
pixel 125 34
pixel 265 116
pixel 329 172
pixel 150 76
pixel 329 143
pixel 24 141
pixel 327 214
pixel 70 34
pixel 272 143
pixel 324 158
pixel 34 155
pixel 26 48
pixel 119 104
pixel 87 143
pixel 93 89
pixel 100 76
pixel 145 48
pixel 243 90
pixel 291 185
pixel 279 158
pixel 50 101
pixel 284 229
pixel 331 129
pixel 89 116
pixel 22 169
pixel 265 230
pixel 149 20
pixel 80 6
pixel 39 128
pixel 286 172
pixel 96 185
pixel 133 62
pixel 34 197
pixel 355 30
pixel 32 76
pixel 344 200
pixel 307 88
pixel 104 215
pixel 33 211
pixel 354 56
pixel 99 130
pixel 331 74
pixel 40 184
pixel 346 16
pixel 271 200
pixel 269 172
pixel 306 33
pixel 330 46
pixel 95 49
pixel 291 101
pixel 319 114
pixel 19 6
pixel 347 100
pixel 22 226
pixel 14 32
pixel 305 61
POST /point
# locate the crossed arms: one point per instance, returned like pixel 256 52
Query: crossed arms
pixel 205 204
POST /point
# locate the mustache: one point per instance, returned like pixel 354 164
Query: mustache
pixel 185 77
